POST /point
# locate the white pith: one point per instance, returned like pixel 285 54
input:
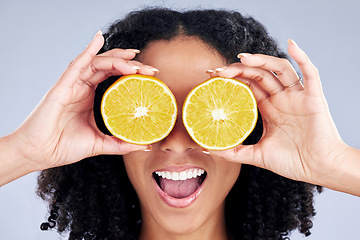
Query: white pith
pixel 141 111
pixel 219 114
pixel 177 176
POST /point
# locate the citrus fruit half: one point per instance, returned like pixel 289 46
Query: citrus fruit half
pixel 139 109
pixel 220 113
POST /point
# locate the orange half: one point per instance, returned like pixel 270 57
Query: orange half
pixel 220 113
pixel 139 109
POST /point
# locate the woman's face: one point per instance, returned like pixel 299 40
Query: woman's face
pixel 194 205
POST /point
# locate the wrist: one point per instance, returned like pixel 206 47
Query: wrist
pixel 345 174
pixel 13 164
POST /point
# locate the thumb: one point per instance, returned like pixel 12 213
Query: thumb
pixel 241 154
pixel 115 146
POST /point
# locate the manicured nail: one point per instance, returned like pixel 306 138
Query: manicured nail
pixel 99 33
pixel 136 51
pixel 241 55
pixel 136 68
pixel 152 68
pixel 148 149
pixel 290 41
pixel 205 151
pixel 155 70
pixel 209 71
pixel 219 69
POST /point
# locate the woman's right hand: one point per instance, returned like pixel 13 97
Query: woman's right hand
pixel 300 140
pixel 61 130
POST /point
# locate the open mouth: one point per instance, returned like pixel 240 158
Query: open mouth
pixel 185 185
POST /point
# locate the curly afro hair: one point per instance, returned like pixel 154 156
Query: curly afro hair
pixel 94 199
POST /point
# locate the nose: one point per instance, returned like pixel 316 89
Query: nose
pixel 178 141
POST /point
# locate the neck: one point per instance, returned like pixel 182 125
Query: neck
pixel 213 229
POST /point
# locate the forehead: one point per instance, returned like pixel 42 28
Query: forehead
pixel 182 61
pixel 190 48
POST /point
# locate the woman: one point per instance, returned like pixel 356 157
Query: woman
pixel 94 197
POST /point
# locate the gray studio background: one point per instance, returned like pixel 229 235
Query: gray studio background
pixel 38 40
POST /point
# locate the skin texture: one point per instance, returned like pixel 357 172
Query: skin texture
pixel 182 63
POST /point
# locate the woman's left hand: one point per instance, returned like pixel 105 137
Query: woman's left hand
pixel 300 140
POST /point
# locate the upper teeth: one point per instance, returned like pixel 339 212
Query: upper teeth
pixel 187 174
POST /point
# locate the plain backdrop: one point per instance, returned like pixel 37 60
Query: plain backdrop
pixel 40 38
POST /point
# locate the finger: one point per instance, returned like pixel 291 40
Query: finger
pixel 126 54
pixel 155 70
pixel 107 66
pixel 120 68
pixel 103 75
pixel 80 63
pixel 259 93
pixel 265 79
pixel 143 69
pixel 280 66
pixel 245 154
pixel 112 145
pixel 309 71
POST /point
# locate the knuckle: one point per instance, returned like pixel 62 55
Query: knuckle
pixel 259 77
pixel 281 67
pixel 71 63
pixel 87 83
pixel 107 74
pixel 284 61
pixel 316 71
pixel 274 92
pixel 249 83
pixel 284 64
pixel 93 68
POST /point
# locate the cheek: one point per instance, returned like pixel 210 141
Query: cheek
pixel 226 176
pixel 235 172
pixel 133 168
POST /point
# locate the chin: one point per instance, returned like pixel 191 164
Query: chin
pixel 181 224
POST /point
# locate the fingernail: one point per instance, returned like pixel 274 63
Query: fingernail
pixel 241 55
pixel 209 71
pixel 205 151
pixel 290 41
pixel 136 51
pixel 136 67
pixel 152 68
pixel 148 149
pixel 219 69
pixel 99 33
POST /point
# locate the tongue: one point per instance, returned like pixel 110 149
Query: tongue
pixel 180 188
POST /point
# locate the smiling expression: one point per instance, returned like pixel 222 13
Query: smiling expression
pixel 181 190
